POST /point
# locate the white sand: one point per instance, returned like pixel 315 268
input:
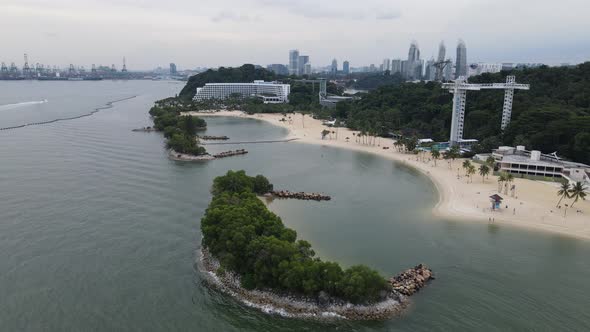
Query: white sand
pixel 534 204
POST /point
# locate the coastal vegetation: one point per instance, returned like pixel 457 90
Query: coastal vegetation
pixel 253 242
pixel 553 116
pixel 180 131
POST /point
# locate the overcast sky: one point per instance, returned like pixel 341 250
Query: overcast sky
pixel 193 33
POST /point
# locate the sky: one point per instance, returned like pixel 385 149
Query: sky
pixel 199 33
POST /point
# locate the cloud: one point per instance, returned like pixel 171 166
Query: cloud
pixel 388 15
pixel 228 15
pixel 334 10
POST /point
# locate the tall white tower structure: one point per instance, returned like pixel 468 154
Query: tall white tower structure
pixel 459 90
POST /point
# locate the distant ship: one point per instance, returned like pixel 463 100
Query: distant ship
pixel 75 79
pixel 92 78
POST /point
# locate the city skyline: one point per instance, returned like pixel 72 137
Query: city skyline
pixel 152 34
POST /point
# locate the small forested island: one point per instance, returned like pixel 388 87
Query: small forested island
pixel 249 253
pixel 180 131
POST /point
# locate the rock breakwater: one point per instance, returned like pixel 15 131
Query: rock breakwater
pixel 411 280
pixel 300 195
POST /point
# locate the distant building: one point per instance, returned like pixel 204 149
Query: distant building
pixel 293 62
pixel 461 65
pixel 172 69
pixel 334 67
pixel 278 69
pixel 533 163
pixel 430 70
pixel 481 68
pixel 346 67
pixel 448 72
pixel 507 66
pixel 301 63
pixel 372 68
pixel 396 66
pixel 413 66
pixel 386 64
pixel 269 92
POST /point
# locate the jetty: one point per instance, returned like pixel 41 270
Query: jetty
pixel 230 153
pixel 300 195
pixel 213 138
pixel 411 280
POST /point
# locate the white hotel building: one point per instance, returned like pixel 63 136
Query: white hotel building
pixel 270 92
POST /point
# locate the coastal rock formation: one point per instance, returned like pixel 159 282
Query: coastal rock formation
pixel 230 153
pixel 301 195
pixel 188 157
pixel 323 307
pixel 212 138
pixel 412 280
pixel 145 129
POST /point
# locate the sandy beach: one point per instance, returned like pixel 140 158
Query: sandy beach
pixel 533 205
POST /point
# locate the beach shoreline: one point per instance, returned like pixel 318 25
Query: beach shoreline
pixel 533 206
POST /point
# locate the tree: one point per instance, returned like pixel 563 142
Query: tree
pixel 509 180
pixel 484 170
pixel 471 171
pixel 435 155
pixel 563 192
pixel 578 191
pixel 501 180
pixel 490 161
pixel 466 165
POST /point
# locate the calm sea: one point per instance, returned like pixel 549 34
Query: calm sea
pixel 99 230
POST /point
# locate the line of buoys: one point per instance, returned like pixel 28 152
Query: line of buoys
pixel 96 110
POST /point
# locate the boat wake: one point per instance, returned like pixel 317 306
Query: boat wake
pixel 96 110
pixel 23 104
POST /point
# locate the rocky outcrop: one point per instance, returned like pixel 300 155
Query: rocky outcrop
pixel 213 138
pixel 412 280
pixel 230 153
pixel 300 195
pixel 322 307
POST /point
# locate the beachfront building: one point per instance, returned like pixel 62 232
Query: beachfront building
pixel 269 92
pixel 519 161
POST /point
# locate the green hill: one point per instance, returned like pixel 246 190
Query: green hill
pixel 245 73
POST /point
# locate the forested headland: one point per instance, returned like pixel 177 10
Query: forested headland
pixel 553 116
pixel 180 131
pixel 253 242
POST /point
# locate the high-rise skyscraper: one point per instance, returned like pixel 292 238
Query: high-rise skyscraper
pixel 396 66
pixel 293 62
pixel 386 64
pixel 302 61
pixel 440 60
pixel 172 69
pixel 461 66
pixel 430 70
pixel 334 67
pixel 414 64
pixel 346 67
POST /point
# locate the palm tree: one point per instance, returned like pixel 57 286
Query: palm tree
pixel 509 179
pixel 435 155
pixel 483 171
pixel 466 165
pixel 471 171
pixel 563 192
pixel 578 191
pixel 501 180
pixel 490 161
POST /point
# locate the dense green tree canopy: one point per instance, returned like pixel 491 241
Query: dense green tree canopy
pixel 250 240
pixel 553 116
